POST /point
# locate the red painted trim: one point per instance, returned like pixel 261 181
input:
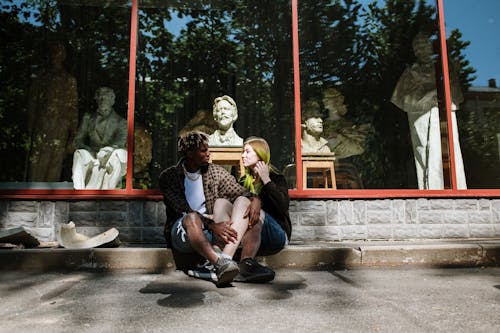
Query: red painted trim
pixel 447 93
pixel 386 194
pixel 294 194
pixel 131 98
pixel 296 85
pixel 82 194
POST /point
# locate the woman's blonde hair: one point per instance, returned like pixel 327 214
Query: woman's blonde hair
pixel 261 148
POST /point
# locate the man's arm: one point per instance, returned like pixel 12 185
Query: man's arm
pixel 173 192
pixel 228 186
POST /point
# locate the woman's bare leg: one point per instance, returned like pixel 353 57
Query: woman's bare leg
pixel 224 211
pixel 252 238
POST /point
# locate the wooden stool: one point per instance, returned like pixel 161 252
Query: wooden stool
pixel 227 156
pixel 319 163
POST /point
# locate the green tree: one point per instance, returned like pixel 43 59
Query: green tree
pixel 328 37
pixel 97 44
pixel 264 83
pixel 387 34
pixel 457 59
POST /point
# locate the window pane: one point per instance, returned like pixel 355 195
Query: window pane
pixel 368 72
pixel 55 56
pixel 474 53
pixel 191 54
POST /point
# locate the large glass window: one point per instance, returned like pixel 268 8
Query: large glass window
pixel 474 53
pixel 371 76
pixel 373 112
pixel 63 98
pixel 191 53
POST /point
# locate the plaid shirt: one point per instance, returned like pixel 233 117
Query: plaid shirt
pixel 217 183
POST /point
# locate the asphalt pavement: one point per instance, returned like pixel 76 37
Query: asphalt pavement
pixel 401 299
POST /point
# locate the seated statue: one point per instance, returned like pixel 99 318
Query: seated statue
pixel 312 128
pixel 100 159
pixel 225 114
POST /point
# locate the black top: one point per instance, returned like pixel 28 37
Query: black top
pixel 275 201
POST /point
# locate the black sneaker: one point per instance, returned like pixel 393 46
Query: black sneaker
pixel 226 269
pixel 253 272
pixel 204 270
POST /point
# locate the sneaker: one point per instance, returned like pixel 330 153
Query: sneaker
pixel 204 270
pixel 253 272
pixel 226 269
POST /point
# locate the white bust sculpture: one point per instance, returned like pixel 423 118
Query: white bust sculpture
pixel 345 138
pixel 100 159
pixel 225 114
pixel 312 142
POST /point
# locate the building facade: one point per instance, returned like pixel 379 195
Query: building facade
pixel 96 93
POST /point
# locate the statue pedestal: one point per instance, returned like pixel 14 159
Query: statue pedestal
pixel 227 156
pixel 319 162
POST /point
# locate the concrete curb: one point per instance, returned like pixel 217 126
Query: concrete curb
pixel 317 257
pixel 432 255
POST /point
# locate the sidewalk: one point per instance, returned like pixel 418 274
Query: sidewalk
pixel 315 256
pixel 416 300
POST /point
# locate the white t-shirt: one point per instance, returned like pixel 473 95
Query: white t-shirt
pixel 194 192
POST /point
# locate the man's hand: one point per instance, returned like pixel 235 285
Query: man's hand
pixel 253 211
pixel 224 231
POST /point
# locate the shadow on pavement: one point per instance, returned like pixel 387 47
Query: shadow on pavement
pixel 180 295
pixel 279 289
pixel 191 293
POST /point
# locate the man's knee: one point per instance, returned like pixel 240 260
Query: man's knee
pixel 191 221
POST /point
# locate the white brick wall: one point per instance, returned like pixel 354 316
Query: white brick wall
pixel 313 220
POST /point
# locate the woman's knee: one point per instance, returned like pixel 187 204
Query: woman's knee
pixel 241 202
pixel 240 208
pixel 222 204
pixel 222 210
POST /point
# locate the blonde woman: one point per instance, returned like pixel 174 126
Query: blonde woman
pixel 272 231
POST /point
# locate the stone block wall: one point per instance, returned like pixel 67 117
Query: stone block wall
pixel 395 219
pixel 313 220
pixel 137 221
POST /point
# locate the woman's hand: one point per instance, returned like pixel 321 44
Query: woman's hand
pixel 262 169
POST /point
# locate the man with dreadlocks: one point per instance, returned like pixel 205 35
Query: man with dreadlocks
pixel 208 212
